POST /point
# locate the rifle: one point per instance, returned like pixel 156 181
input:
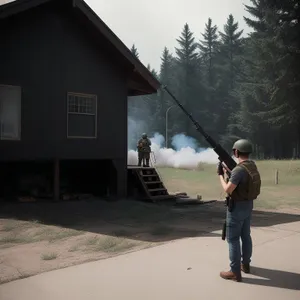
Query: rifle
pixel 223 156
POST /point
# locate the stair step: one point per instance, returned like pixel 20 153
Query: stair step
pixel 157 190
pixel 151 183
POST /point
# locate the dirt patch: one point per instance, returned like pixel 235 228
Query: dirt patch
pixel 43 250
pixel 32 241
pixel 29 247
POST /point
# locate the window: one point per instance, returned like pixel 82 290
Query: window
pixel 10 112
pixel 82 116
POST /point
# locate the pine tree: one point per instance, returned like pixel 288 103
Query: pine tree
pixel 153 71
pixel 134 51
pixel 153 107
pixel 189 80
pixel 167 77
pixel 209 48
pixel 257 11
pixel 187 53
pixel 231 48
pixel 209 51
pixel 167 67
pixel 230 72
pixel 245 123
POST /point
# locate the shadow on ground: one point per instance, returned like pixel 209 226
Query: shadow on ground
pixel 274 278
pixel 135 220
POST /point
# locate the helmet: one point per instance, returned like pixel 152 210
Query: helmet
pixel 144 135
pixel 243 146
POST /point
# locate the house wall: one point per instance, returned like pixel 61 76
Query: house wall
pixel 48 54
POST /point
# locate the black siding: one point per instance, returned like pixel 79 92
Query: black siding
pixel 48 53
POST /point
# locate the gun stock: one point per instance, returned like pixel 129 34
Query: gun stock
pixel 223 156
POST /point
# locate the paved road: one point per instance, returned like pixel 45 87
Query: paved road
pixel 186 269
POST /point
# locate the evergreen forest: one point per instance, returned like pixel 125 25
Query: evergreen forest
pixel 235 86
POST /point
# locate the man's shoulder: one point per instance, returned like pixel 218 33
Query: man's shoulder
pixel 238 169
pixel 248 165
pixel 237 174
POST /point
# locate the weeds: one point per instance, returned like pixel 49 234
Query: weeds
pixel 49 256
pixel 109 244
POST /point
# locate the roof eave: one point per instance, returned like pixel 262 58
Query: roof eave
pixel 110 35
pixel 19 6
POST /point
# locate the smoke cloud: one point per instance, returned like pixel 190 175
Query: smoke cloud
pixel 181 141
pixel 135 129
pixel 186 156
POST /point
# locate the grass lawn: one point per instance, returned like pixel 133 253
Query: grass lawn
pixel 205 182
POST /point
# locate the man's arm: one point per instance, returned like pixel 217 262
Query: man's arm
pixel 228 187
pixel 235 178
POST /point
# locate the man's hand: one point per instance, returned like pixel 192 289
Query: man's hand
pixel 220 169
pixel 226 169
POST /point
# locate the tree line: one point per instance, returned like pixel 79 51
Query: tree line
pixel 234 86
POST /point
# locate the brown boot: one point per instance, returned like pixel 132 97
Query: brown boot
pixel 231 276
pixel 245 268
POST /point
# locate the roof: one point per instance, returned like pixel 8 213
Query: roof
pixel 141 82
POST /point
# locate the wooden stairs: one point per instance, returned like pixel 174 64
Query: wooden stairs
pixel 149 183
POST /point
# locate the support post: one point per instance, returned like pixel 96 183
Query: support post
pixel 121 177
pixel 276 176
pixel 56 180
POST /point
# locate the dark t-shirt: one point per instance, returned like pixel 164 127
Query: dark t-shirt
pixel 238 175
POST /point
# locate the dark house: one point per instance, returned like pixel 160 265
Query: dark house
pixel 64 82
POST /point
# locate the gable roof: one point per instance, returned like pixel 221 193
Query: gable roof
pixel 147 82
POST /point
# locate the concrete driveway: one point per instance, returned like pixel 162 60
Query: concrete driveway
pixel 186 269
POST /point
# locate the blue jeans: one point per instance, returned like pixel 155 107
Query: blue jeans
pixel 238 226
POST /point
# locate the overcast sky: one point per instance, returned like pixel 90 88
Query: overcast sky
pixel 153 24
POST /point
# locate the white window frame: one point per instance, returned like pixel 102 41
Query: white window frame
pixel 94 98
pixel 18 138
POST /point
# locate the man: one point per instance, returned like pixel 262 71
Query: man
pixel 243 187
pixel 144 150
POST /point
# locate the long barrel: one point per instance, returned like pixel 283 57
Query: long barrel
pixel 223 155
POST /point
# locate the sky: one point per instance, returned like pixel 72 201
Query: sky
pixel 153 25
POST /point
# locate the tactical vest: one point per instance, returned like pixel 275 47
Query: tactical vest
pixel 250 188
pixel 145 145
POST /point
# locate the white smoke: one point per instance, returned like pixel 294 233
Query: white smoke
pixel 135 127
pixel 180 141
pixel 186 156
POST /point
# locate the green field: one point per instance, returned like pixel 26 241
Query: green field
pixel 205 182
